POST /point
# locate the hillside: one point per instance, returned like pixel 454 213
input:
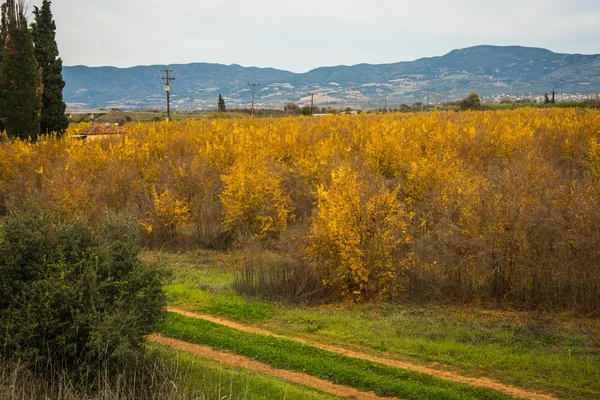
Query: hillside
pixel 486 69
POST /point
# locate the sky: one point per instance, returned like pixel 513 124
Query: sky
pixel 301 35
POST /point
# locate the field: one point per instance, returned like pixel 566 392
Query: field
pixel 551 352
pixel 400 255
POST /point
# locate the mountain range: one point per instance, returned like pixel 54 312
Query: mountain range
pixel 487 70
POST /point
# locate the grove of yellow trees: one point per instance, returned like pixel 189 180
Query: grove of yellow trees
pixel 471 206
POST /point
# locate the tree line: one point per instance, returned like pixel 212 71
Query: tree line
pixel 31 82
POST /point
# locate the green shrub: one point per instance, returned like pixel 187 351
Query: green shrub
pixel 472 102
pixel 72 298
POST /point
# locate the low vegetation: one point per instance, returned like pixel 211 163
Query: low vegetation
pixel 548 351
pixel 76 303
pixel 282 353
pixel 209 379
pixel 168 375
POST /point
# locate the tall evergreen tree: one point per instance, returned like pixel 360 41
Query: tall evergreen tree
pixel 3 34
pixel 221 104
pixel 53 117
pixel 20 77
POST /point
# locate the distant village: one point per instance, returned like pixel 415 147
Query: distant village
pixel 540 98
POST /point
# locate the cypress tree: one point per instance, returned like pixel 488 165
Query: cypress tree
pixel 20 77
pixel 53 117
pixel 221 104
pixel 3 34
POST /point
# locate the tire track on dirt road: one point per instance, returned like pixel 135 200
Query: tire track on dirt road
pixel 481 382
pixel 248 363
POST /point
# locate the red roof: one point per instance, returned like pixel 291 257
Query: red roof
pixel 101 130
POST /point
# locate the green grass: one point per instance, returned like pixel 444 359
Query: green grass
pixel 228 305
pixel 204 378
pixel 525 354
pixel 191 295
pixel 291 355
pixel 197 284
pixel 556 353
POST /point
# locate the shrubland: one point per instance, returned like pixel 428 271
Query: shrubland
pixel 75 307
pixel 467 207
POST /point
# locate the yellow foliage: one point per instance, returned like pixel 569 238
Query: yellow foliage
pixel 254 200
pixel 473 204
pixel 356 238
pixel 168 213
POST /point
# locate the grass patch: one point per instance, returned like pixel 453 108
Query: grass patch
pixel 202 281
pixel 203 378
pixel 287 354
pixel 240 310
pixel 554 352
pixel 525 353
pixel 225 303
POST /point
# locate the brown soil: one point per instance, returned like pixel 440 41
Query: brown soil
pixel 248 363
pixel 451 376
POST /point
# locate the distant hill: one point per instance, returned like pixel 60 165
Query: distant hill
pixel 488 70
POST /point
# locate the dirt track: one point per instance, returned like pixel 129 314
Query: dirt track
pixel 248 363
pixel 451 376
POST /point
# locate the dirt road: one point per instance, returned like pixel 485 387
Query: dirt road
pixel 451 376
pixel 248 363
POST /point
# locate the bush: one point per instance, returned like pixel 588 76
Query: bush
pixel 280 273
pixel 254 200
pixel 356 244
pixel 306 110
pixel 73 299
pixel 472 102
pixel 168 213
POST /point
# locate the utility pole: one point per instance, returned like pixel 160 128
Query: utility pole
pixel 167 80
pixel 342 109
pixel 385 103
pixel 312 102
pixel 356 101
pixel 253 86
pixel 428 91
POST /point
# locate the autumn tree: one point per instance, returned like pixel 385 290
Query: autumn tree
pixel 53 118
pixel 20 77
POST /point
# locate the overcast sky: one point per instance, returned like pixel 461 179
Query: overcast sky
pixel 301 35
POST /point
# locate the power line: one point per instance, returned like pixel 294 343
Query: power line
pixel 167 80
pixel 253 86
